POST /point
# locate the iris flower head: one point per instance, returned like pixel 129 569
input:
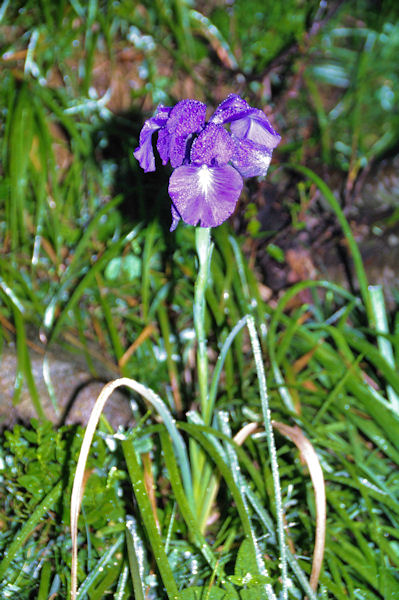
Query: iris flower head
pixel 209 159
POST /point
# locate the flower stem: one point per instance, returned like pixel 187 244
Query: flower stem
pixel 200 468
pixel 204 251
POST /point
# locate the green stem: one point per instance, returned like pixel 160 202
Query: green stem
pixel 204 251
pixel 198 458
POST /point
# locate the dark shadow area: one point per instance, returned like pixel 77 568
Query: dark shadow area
pixel 145 195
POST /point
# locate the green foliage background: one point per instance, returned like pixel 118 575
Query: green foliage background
pixel 86 260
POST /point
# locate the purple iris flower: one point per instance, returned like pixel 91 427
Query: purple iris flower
pixel 210 158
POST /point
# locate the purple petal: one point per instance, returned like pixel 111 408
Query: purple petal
pixel 204 195
pixel 250 159
pixel 234 107
pixel 163 145
pixel 175 218
pixel 255 126
pixel 186 118
pixel 178 150
pixel 144 153
pixel 214 145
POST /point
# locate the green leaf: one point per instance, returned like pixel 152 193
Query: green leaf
pixel 275 252
pixel 126 268
pixel 137 480
pixel 246 574
pixel 246 561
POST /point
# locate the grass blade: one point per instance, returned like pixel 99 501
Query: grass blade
pixel 353 247
pixel 135 553
pixel 384 345
pixel 236 492
pixel 272 450
pixel 27 529
pixel 137 479
pixel 98 571
pixel 184 507
pixel 308 453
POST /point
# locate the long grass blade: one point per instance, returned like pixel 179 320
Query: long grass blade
pixel 137 478
pixel 136 559
pixel 354 249
pixel 238 496
pixel 98 569
pixel 272 451
pixel 221 360
pixel 384 345
pixel 184 507
pixel 29 526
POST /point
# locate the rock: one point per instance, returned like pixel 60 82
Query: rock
pixel 75 390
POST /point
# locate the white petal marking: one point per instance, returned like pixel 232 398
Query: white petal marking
pixel 205 179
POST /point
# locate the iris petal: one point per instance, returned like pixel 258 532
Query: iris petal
pixel 250 159
pixel 163 145
pixel 175 217
pixel 178 150
pixel 214 145
pixel 204 195
pixel 234 107
pixel 186 118
pixel 144 153
pixel 255 126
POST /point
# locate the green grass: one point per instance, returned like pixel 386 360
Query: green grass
pixel 87 262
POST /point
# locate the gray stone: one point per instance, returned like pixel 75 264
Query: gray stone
pixel 75 389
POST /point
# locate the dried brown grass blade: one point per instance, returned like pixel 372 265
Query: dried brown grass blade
pixel 78 482
pixel 78 485
pixel 147 332
pixel 309 455
pixel 245 432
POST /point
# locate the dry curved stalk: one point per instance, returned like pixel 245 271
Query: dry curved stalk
pixel 309 455
pixel 78 482
pixel 78 485
pixel 245 432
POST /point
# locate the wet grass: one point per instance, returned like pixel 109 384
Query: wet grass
pixel 87 262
